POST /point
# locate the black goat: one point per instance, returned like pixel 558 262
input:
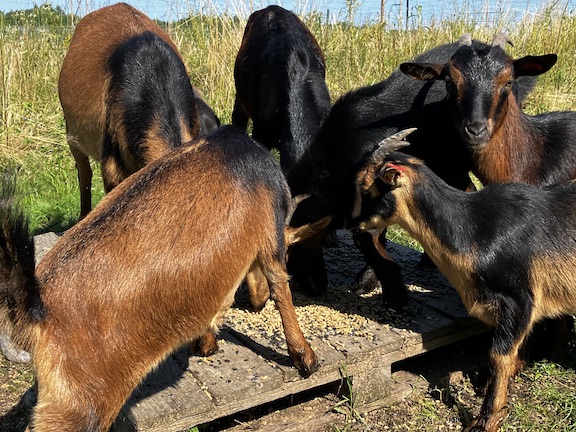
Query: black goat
pixel 506 144
pixel 357 122
pixel 280 83
pixel 508 249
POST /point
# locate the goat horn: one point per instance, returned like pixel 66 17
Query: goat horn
pixel 500 40
pixel 465 40
pixel 293 205
pixel 391 144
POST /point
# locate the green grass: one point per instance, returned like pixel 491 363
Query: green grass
pixel 32 131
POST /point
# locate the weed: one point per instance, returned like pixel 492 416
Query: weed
pixel 347 406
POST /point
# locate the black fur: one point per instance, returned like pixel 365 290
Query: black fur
pixel 148 83
pixel 547 156
pixel 503 226
pixel 18 287
pixel 357 122
pixel 280 83
pixel 504 229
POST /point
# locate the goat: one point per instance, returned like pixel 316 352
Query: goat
pixel 357 122
pixel 508 249
pixel 280 83
pixel 125 94
pixel 506 144
pixel 142 274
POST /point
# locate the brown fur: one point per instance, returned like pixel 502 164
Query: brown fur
pixel 83 89
pixel 504 157
pixel 141 275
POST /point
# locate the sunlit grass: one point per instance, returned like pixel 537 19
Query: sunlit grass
pixel 32 131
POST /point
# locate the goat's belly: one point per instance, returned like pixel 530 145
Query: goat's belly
pixel 553 285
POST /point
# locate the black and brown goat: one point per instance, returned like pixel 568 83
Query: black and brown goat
pixel 508 249
pixel 507 145
pixel 280 83
pixel 126 96
pixel 155 264
pixel 357 122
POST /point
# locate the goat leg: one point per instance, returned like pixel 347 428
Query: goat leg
pixel 205 346
pixel 258 290
pixel 84 180
pixel 299 349
pixel 394 293
pixel 505 364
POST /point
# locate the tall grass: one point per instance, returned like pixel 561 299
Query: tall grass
pixel 32 130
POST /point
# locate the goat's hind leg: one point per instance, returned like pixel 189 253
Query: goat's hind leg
pixel 204 346
pixel 207 345
pixel 84 180
pixel 58 416
pixel 258 289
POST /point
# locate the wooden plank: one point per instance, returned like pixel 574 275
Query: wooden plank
pixel 234 373
pixel 165 400
pixel 343 261
pixel 43 243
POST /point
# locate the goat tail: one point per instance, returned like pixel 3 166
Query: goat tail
pixel 20 302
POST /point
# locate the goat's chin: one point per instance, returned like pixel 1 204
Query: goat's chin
pixel 477 145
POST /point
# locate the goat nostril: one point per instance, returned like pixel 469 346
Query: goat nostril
pixel 476 128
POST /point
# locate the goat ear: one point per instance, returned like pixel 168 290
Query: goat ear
pixel 297 234
pixel 534 65
pixel 424 71
pixel 391 173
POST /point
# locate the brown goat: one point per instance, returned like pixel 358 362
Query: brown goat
pixel 156 263
pixel 126 96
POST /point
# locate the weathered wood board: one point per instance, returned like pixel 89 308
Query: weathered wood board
pixel 348 331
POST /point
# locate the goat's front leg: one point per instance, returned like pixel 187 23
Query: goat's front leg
pixel 299 349
pixel 505 364
pixel 386 271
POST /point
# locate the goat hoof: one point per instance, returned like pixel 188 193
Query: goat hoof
pixel 204 346
pixel 366 281
pixel 486 423
pixel 395 299
pixel 306 361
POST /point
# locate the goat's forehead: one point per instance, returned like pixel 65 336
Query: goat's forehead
pixel 477 63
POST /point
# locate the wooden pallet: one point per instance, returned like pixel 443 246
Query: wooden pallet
pixel 253 368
